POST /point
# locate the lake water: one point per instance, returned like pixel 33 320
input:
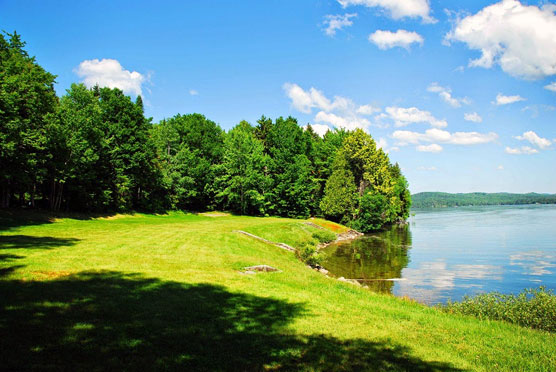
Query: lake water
pixel 444 254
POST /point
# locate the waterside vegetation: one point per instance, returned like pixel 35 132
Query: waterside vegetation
pixel 534 308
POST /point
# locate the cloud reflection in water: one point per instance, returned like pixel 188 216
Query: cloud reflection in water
pixel 534 263
pixel 432 281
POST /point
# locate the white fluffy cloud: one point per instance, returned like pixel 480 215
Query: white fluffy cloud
pixel 446 94
pixel 433 147
pixel 193 92
pixel 305 101
pixel 551 86
pixel 347 122
pixel 435 135
pixel 110 73
pixel 534 139
pixel 367 110
pixel 473 116
pixel 337 22
pixel 506 100
pixel 301 100
pixel 520 38
pixel 397 8
pixel 340 112
pixel 404 116
pixel 381 144
pixel 401 38
pixel 523 150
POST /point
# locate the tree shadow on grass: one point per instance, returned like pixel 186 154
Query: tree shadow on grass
pixel 7 271
pixel 13 218
pixel 112 321
pixel 15 242
pixel 34 242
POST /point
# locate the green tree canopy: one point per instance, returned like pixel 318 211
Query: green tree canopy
pixel 243 180
pixel 26 97
pixel 382 191
pixel 190 148
pixel 94 150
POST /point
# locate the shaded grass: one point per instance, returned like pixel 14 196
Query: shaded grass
pixel 164 292
pixel 108 320
pixel 33 242
pixel 16 217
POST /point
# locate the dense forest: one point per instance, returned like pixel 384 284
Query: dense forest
pixel 93 150
pixel 442 199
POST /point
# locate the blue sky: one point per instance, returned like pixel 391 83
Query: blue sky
pixel 461 93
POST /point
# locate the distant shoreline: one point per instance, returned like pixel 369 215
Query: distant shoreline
pixel 446 200
pixel 482 205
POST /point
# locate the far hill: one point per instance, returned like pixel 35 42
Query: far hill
pixel 444 199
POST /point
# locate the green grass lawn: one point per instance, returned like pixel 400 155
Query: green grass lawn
pixel 166 293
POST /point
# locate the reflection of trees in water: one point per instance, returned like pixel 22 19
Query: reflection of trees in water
pixel 381 255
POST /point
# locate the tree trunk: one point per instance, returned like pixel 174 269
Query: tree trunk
pixel 56 194
pixel 265 173
pixel 5 197
pixel 52 198
pixel 68 200
pixel 241 197
pixel 33 195
pixel 59 196
pixel 361 187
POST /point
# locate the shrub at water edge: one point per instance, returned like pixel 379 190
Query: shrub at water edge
pixel 533 308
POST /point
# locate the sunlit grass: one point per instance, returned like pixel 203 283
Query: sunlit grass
pixel 168 291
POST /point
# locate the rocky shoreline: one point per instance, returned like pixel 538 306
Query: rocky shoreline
pixel 345 236
pixel 348 235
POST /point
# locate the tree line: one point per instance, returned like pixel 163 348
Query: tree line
pixel 93 150
pixel 443 199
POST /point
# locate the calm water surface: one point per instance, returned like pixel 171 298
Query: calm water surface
pixel 447 253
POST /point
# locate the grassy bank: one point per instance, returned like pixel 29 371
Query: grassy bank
pixel 166 292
